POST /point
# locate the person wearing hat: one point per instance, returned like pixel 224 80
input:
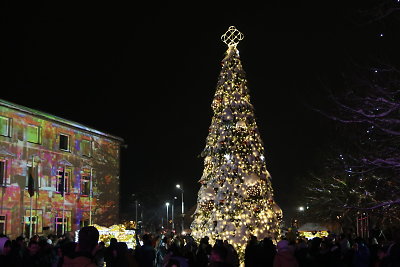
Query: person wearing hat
pixel 285 256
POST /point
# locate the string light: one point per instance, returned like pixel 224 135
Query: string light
pixel 235 198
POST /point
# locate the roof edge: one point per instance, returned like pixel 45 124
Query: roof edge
pixel 59 120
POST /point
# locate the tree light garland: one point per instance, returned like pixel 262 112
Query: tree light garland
pixel 235 199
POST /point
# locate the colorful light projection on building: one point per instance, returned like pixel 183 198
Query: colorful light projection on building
pixel 75 171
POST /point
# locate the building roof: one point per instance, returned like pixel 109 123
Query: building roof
pixel 59 120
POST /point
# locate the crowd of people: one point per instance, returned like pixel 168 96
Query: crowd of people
pixel 182 251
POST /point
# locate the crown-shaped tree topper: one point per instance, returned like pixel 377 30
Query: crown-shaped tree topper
pixel 232 37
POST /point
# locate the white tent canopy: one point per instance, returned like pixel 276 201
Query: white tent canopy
pixel 312 227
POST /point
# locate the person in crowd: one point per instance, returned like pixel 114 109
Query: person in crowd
pixel 109 253
pixel 373 250
pixel 18 250
pixel 5 251
pixel 232 257
pixel 301 253
pixel 123 258
pixel 46 254
pixel 183 251
pixel 393 252
pixel 335 256
pixel 203 252
pixel 156 240
pixel 361 254
pixel 189 250
pixel 85 249
pixel 31 257
pixel 381 259
pixel 175 253
pixel 291 235
pixel 65 249
pixel 285 255
pixel 252 255
pixel 218 256
pixel 267 252
pixel 99 254
pixel 162 249
pixel 344 244
pixel 322 257
pixel 146 254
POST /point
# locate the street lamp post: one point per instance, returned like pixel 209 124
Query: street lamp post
pixel 136 204
pixel 167 205
pixel 136 210
pixel 172 211
pixel 183 205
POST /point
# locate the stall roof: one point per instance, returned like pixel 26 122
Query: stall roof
pixel 310 227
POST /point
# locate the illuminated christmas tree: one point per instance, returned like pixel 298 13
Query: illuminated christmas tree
pixel 235 200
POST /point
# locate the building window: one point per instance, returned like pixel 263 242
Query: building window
pixel 34 134
pixel 37 220
pixel 5 126
pixel 3 169
pixel 3 224
pixel 60 181
pixel 86 148
pixel 27 222
pixel 85 184
pixel 59 225
pixel 64 142
pixel 83 223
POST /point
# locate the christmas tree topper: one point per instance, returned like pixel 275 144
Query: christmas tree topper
pixel 232 37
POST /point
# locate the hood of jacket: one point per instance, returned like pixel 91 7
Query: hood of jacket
pixel 3 241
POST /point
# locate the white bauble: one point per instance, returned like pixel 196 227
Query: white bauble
pixel 241 125
pixel 251 179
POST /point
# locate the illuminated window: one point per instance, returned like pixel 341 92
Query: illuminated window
pixel 85 184
pixel 5 126
pixel 3 223
pixel 60 181
pixel 27 222
pixel 33 134
pixel 86 148
pixel 64 142
pixel 3 178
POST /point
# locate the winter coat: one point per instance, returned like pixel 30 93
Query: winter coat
pixel 80 261
pixel 146 255
pixel 361 256
pixel 285 259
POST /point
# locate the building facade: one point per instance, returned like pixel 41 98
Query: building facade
pixel 55 173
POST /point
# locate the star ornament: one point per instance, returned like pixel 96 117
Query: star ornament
pixel 232 37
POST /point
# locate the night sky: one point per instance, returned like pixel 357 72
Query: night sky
pixel 148 74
